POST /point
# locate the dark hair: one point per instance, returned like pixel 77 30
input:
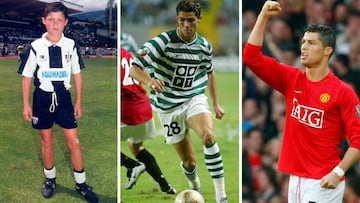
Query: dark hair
pixel 327 34
pixel 56 7
pixel 189 6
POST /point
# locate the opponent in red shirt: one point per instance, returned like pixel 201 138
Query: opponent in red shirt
pixel 320 111
pixel 135 104
pixel 137 125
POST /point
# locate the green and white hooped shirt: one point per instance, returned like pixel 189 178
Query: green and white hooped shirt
pixel 182 66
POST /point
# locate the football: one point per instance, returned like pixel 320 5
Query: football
pixel 189 196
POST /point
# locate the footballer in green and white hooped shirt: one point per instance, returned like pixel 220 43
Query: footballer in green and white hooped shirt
pixel 177 66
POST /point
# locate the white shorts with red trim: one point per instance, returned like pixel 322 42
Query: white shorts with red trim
pixel 307 190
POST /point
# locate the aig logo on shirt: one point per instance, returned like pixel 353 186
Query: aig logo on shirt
pixel 307 115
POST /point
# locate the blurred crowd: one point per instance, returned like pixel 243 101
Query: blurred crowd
pixel 161 12
pixel 263 109
pixel 15 32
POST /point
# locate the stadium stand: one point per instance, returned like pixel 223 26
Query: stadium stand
pixel 19 28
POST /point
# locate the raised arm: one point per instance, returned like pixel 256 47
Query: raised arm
pixel 269 9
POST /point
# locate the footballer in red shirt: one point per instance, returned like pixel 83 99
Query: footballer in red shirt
pixel 321 110
pixel 137 125
pixel 135 104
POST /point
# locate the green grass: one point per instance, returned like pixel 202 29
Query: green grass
pixel 227 134
pixel 21 165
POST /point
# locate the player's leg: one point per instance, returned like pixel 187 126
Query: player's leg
pixel 128 162
pixel 134 170
pixel 142 132
pixel 152 167
pixel 176 132
pixel 47 142
pixel 134 167
pixel 202 124
pixel 186 152
pixel 64 117
pixel 73 144
pixel 43 121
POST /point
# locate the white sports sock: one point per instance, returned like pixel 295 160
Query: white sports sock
pixel 50 173
pixel 213 161
pixel 190 175
pixel 79 177
pixel 214 164
pixel 219 185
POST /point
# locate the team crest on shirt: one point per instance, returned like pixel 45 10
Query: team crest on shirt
pixel 143 52
pixel 41 57
pixel 358 111
pixel 324 97
pixel 68 57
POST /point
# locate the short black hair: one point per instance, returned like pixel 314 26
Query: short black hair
pixel 189 6
pixel 326 33
pixel 56 7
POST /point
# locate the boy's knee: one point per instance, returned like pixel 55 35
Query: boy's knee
pixel 73 144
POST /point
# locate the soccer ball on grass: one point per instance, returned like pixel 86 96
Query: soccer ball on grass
pixel 189 196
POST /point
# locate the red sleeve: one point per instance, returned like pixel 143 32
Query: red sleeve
pixel 135 105
pixel 350 112
pixel 267 68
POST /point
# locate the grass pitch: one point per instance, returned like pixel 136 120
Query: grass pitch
pixel 21 165
pixel 147 190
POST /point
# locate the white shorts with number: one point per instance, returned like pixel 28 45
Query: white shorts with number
pixel 307 190
pixel 138 133
pixel 175 123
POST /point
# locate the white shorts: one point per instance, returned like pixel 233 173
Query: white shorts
pixel 175 123
pixel 307 190
pixel 138 133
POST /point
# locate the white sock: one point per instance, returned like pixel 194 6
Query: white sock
pixel 79 177
pixel 213 161
pixel 50 173
pixel 214 164
pixel 190 175
pixel 219 185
